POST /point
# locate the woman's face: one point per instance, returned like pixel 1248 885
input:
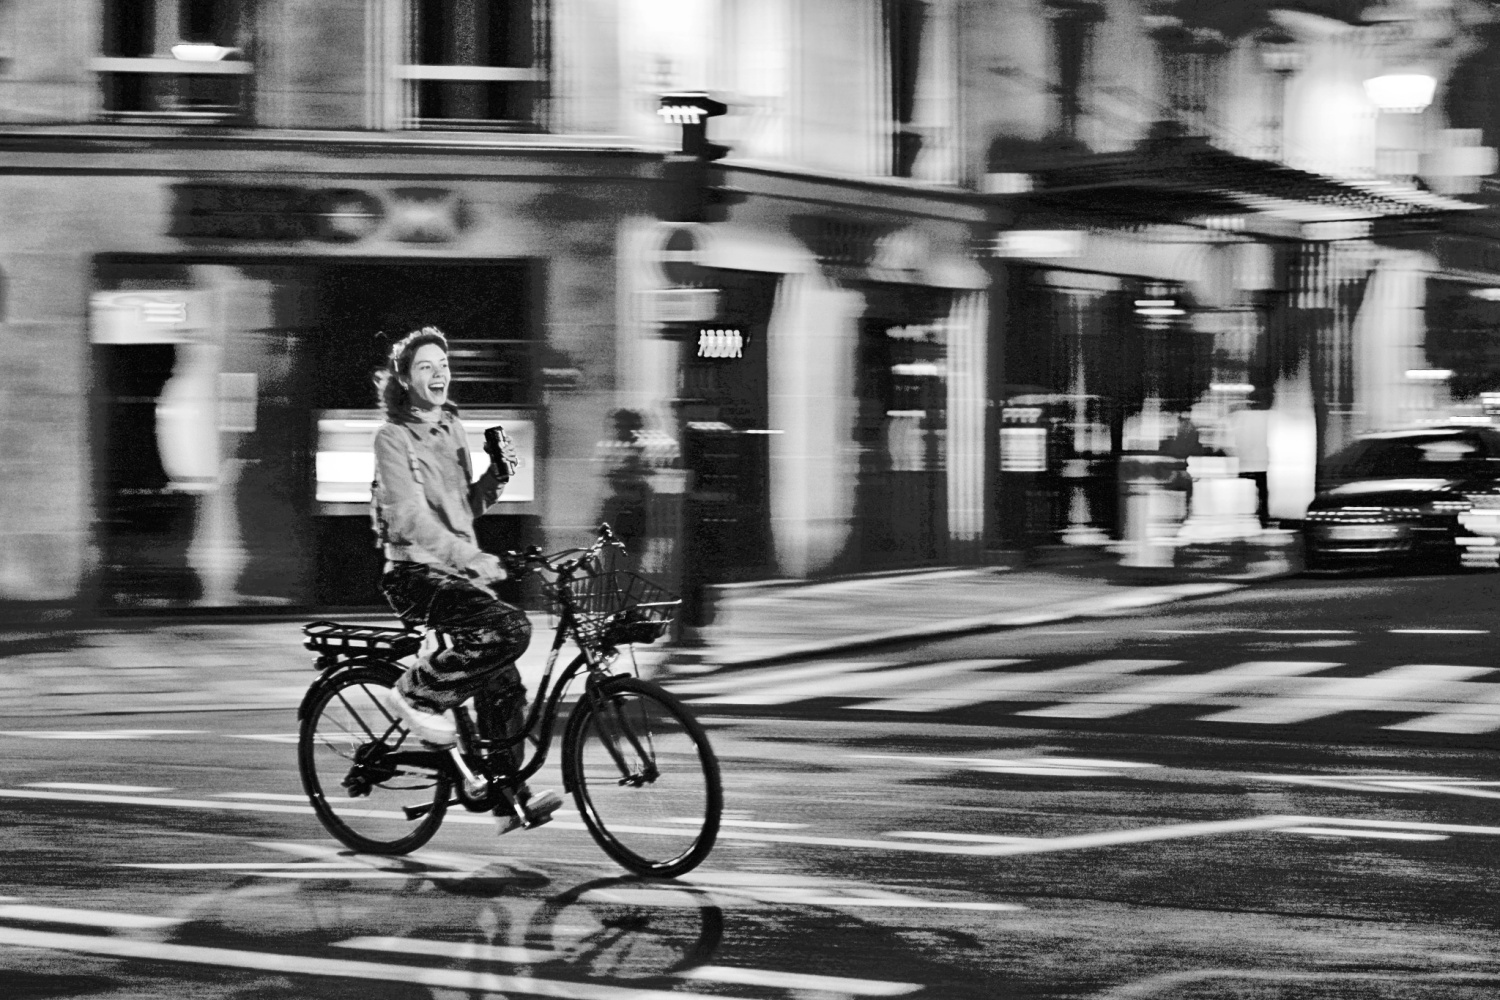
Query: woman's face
pixel 428 382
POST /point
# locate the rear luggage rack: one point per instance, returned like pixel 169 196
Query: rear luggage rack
pixel 333 638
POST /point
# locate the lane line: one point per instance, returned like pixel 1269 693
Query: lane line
pixel 798 981
pixel 96 734
pixel 971 838
pixel 87 786
pixel 85 918
pixel 303 965
pixel 1330 831
pixel 471 951
pixel 248 866
pixel 1438 631
pixel 268 796
pixel 1110 838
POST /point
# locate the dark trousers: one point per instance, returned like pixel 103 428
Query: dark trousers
pixel 485 636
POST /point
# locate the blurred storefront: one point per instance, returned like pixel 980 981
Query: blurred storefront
pixel 1155 297
pixel 232 327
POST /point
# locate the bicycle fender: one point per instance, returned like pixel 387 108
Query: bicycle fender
pixel 327 677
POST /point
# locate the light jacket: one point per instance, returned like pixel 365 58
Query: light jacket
pixel 422 502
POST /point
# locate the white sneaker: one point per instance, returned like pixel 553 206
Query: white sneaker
pixel 437 728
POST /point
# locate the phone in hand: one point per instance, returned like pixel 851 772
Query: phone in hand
pixel 502 451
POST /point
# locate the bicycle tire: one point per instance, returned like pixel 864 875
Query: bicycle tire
pixel 358 797
pixel 660 815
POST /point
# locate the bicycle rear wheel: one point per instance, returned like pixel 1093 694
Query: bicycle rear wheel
pixel 363 770
pixel 644 776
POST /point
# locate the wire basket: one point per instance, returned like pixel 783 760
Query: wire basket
pixel 619 607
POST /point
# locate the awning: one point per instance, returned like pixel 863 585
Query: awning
pixel 1187 178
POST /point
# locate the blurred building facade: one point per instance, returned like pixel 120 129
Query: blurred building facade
pixel 992 261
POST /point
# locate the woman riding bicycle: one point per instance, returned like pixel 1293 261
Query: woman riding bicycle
pixel 423 504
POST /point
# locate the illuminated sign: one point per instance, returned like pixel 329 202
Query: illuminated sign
pixel 345 462
pixel 1031 243
pixel 721 344
pixel 145 316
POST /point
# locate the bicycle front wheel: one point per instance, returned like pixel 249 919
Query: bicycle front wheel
pixel 374 786
pixel 644 776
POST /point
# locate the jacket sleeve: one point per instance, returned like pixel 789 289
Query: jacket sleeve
pixel 408 518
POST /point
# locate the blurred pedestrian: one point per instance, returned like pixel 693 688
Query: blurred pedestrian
pixel 423 503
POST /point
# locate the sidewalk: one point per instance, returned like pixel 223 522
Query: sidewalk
pixel 177 665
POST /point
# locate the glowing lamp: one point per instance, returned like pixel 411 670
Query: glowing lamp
pixel 1406 92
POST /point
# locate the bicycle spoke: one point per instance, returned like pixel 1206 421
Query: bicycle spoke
pixel 359 778
pixel 645 778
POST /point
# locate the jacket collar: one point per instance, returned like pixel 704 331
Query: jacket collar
pixel 409 417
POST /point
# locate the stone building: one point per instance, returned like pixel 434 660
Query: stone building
pixel 218 213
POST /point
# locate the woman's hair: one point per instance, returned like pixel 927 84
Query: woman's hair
pixel 393 396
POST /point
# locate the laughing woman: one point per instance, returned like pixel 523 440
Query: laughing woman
pixel 424 502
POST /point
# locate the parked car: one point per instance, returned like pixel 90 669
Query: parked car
pixel 1406 495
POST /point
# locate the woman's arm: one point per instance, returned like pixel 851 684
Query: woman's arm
pixel 485 491
pixel 408 519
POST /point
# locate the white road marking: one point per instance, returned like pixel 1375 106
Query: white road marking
pixel 1079 767
pixel 304 965
pixel 87 786
pixel 268 796
pixel 749 823
pixel 1329 831
pixel 96 734
pixel 267 737
pixel 971 838
pixel 1179 689
pixel 854 683
pixel 1018 686
pixel 798 981
pixel 248 866
pixel 753 678
pixel 1439 631
pixel 84 918
pixel 463 950
pixel 1305 631
pixel 1382 691
pixel 1038 845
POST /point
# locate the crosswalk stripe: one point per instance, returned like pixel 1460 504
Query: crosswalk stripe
pixel 1478 712
pixel 752 678
pixel 1377 692
pixel 1017 686
pixel 1179 689
pixel 864 681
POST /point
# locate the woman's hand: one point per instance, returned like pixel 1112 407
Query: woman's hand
pixel 485 569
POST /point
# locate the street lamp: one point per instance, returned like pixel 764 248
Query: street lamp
pixel 1404 92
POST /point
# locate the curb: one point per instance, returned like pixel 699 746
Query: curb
pixel 1091 607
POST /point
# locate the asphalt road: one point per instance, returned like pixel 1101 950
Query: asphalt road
pixel 957 851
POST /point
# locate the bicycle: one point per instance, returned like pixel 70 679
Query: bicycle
pixel 637 763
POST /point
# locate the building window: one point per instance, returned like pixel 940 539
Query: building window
pixel 475 64
pixel 174 60
pixel 904 21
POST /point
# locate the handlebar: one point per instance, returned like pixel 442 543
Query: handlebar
pixel 564 562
